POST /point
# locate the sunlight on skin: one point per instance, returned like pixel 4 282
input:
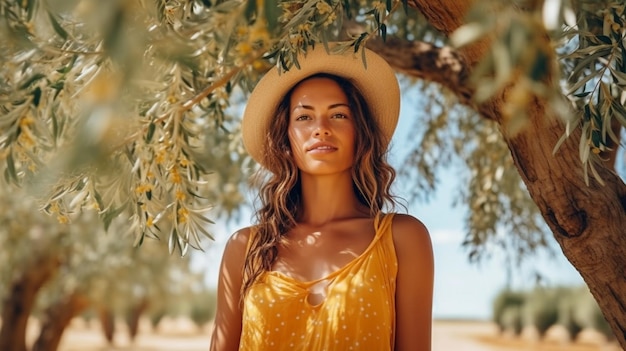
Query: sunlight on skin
pixel 318 291
pixel 229 321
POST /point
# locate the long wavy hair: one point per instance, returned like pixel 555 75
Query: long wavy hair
pixel 279 190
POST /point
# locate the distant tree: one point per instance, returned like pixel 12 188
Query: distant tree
pixel 541 309
pixel 56 318
pixel 587 314
pixel 567 306
pixel 55 271
pixel 129 108
pixel 133 316
pixel 512 320
pixel 507 306
pixel 203 307
pixel 26 264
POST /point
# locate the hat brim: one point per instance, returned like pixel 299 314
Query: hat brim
pixel 374 79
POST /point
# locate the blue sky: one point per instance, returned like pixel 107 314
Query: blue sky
pixel 462 289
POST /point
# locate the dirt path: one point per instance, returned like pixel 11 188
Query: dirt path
pixel 182 335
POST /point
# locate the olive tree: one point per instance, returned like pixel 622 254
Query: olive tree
pixel 131 109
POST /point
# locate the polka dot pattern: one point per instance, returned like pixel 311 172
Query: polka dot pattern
pixel 356 314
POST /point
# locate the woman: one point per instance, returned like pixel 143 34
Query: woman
pixel 325 268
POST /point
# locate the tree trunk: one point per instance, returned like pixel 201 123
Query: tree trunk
pixel 588 221
pixel 133 316
pixel 19 303
pixel 107 322
pixel 56 319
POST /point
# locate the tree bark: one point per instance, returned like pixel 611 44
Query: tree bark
pixel 19 303
pixel 134 315
pixel 56 319
pixel 588 221
pixel 107 322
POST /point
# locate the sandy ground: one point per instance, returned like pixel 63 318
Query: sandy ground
pixel 179 335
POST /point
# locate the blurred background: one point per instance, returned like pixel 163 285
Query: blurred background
pixel 123 176
pixel 106 291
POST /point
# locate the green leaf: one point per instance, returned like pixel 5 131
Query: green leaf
pixel 184 247
pixel 619 77
pixel 57 27
pixel 205 232
pixel 160 10
pixel 383 31
pixel 583 148
pixel 619 112
pixel 251 10
pixel 139 239
pixel 623 52
pixel 582 65
pixel 114 30
pixel 69 66
pixel 192 229
pixel 601 50
pixel 540 66
pixel 31 8
pixel 346 7
pixel 36 96
pixel 98 198
pixel 55 125
pixel 596 138
pixel 586 113
pixel 110 215
pixel 171 242
pixel 32 80
pixel 596 175
pixel 10 171
pixel 605 39
pixel 580 84
pixel 357 43
pixel 150 134
pixel 582 95
pixel 272 12
pixel 58 85
pixel 363 58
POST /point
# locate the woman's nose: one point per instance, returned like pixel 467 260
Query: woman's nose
pixel 322 128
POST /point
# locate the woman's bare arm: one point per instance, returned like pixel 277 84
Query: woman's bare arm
pixel 414 285
pixel 227 327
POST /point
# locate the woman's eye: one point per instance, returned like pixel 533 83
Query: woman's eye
pixel 340 115
pixel 302 118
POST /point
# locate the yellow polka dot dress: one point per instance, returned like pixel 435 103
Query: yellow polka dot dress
pixel 358 312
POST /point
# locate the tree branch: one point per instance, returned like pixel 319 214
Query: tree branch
pixel 442 65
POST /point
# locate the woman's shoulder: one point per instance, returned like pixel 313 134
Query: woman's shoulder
pixel 238 241
pixel 409 232
pixel 404 221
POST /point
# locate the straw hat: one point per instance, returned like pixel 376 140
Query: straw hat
pixel 375 80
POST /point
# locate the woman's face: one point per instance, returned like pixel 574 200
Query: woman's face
pixel 321 127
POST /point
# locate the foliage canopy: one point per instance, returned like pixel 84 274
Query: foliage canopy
pixel 130 108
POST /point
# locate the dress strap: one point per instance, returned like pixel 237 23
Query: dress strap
pixel 382 221
pixel 379 215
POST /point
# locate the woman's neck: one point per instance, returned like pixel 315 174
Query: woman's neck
pixel 328 198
